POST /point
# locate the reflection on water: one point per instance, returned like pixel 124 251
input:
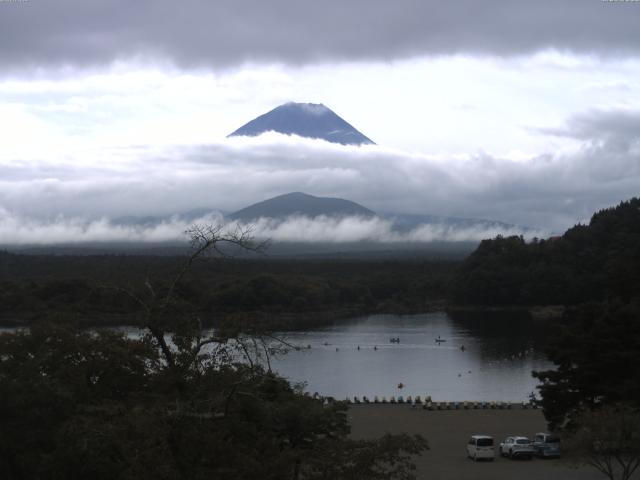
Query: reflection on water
pixel 500 351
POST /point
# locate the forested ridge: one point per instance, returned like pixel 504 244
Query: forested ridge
pixel 588 263
pixel 312 291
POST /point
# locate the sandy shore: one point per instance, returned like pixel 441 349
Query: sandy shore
pixel 448 431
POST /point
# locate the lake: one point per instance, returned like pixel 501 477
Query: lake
pixel 500 351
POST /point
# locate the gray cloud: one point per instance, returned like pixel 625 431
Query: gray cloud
pixel 601 124
pixel 373 229
pixel 550 192
pixel 611 143
pixel 16 230
pixel 19 230
pixel 229 32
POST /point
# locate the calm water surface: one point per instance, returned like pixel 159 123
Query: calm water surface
pixel 500 351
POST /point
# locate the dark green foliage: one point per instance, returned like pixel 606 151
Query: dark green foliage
pixel 82 405
pixel 54 372
pixel 33 286
pixel 595 353
pixel 588 263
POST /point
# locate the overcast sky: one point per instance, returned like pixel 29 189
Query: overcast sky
pixel 526 112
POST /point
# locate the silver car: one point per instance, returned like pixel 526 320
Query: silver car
pixel 517 447
pixel 546 445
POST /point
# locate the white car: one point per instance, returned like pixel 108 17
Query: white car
pixel 480 446
pixel 517 447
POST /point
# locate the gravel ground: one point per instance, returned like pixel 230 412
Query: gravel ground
pixel 448 431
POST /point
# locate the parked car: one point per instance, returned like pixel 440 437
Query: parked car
pixel 480 446
pixel 517 447
pixel 546 445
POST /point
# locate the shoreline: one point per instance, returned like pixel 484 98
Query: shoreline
pixel 296 321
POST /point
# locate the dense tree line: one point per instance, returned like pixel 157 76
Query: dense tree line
pixel 588 263
pixel 595 351
pixel 597 342
pixel 89 287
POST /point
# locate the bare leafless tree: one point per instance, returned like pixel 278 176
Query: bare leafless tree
pixel 157 304
pixel 608 439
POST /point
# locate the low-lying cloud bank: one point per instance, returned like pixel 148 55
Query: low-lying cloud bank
pixel 16 230
pixel 374 229
pixel 300 229
pixel 73 194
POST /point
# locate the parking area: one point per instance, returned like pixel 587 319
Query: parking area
pixel 448 432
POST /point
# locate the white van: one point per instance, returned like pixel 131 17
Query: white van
pixel 480 446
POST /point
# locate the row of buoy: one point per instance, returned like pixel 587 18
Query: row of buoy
pixel 467 405
pixel 375 347
pixel 417 400
pixel 391 340
pixel 479 405
pixel 428 404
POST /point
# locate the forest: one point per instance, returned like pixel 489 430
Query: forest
pixel 90 288
pixel 588 263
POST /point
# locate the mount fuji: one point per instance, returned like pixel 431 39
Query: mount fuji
pixel 311 120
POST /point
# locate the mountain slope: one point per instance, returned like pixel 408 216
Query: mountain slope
pixel 298 203
pixel 309 120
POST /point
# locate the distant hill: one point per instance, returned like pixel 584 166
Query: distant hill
pixel 309 120
pixel 298 203
pixel 588 263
